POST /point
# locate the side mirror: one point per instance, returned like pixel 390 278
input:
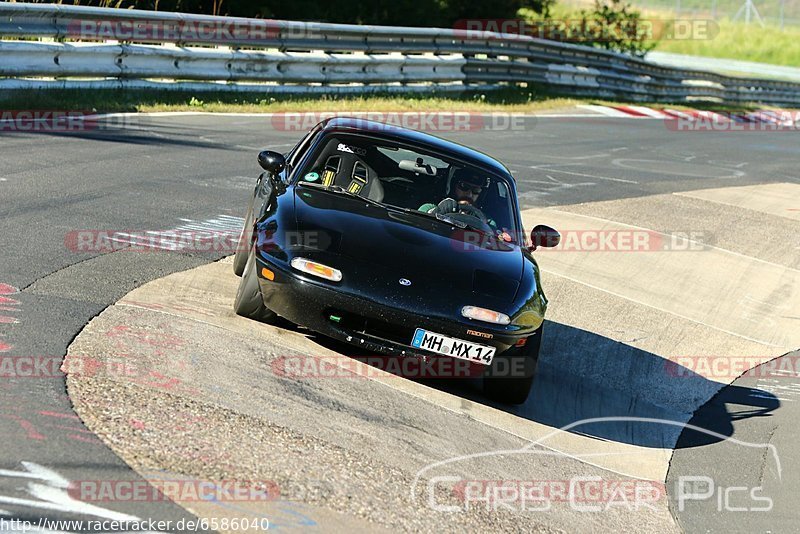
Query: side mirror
pixel 272 162
pixel 544 236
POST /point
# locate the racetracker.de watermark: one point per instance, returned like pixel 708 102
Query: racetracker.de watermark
pixel 188 31
pixel 209 240
pixel 755 121
pixel 43 121
pixel 425 121
pixel 580 31
pixel 599 240
pixel 727 368
pixel 461 240
pixel 103 241
pixel 631 240
pixel 30 366
pixel 377 365
pixel 101 491
pixel 77 365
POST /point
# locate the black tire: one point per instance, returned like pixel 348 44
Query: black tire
pixel 248 302
pixel 510 376
pixel 244 244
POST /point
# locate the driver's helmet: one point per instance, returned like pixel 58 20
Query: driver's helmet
pixel 467 177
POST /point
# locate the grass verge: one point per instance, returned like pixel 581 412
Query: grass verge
pixel 725 38
pixel 736 40
pixel 512 100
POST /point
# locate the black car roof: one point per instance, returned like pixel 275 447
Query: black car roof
pixel 397 133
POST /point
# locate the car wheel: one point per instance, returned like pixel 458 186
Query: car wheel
pixel 245 241
pixel 510 376
pixel 248 302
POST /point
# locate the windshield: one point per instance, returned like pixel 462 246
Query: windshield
pixel 409 178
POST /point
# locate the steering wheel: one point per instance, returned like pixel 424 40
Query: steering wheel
pixel 466 213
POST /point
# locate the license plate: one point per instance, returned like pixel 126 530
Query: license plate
pixel 450 346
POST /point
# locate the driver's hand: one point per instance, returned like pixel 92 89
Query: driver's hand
pixel 447 205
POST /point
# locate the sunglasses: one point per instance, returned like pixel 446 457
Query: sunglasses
pixel 465 186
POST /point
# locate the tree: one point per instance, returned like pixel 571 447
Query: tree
pixel 425 13
pixel 614 25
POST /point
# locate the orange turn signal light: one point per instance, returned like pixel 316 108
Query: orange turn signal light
pixel 317 269
pixel 487 316
pixel 266 273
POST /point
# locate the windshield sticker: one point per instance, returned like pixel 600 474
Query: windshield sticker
pixel 351 149
pixel 311 177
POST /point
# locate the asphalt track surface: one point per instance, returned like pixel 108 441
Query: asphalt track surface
pixel 167 172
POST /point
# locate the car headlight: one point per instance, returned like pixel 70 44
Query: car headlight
pixel 487 316
pixel 317 269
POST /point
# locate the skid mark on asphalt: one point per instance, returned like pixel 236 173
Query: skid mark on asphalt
pixel 691 170
pixel 578 158
pixel 543 188
pixel 551 168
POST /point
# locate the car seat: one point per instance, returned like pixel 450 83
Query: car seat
pixel 352 173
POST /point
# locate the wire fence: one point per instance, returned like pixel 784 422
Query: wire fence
pixel 774 13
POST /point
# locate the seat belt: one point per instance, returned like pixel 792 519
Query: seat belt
pixel 331 170
pixel 360 178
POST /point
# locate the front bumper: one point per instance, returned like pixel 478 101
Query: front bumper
pixel 365 323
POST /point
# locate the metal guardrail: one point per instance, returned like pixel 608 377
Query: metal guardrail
pixel 100 47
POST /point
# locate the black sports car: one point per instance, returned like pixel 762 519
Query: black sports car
pixel 398 242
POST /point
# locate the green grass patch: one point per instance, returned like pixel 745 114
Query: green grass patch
pixel 511 100
pixel 520 100
pixel 735 40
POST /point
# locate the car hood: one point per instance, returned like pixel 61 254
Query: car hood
pixel 380 250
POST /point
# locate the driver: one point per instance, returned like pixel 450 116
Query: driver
pixel 465 188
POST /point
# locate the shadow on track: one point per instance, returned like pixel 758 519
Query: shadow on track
pixel 583 375
pixel 120 132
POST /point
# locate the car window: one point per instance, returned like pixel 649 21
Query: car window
pixel 408 177
pixel 399 154
pixel 300 148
